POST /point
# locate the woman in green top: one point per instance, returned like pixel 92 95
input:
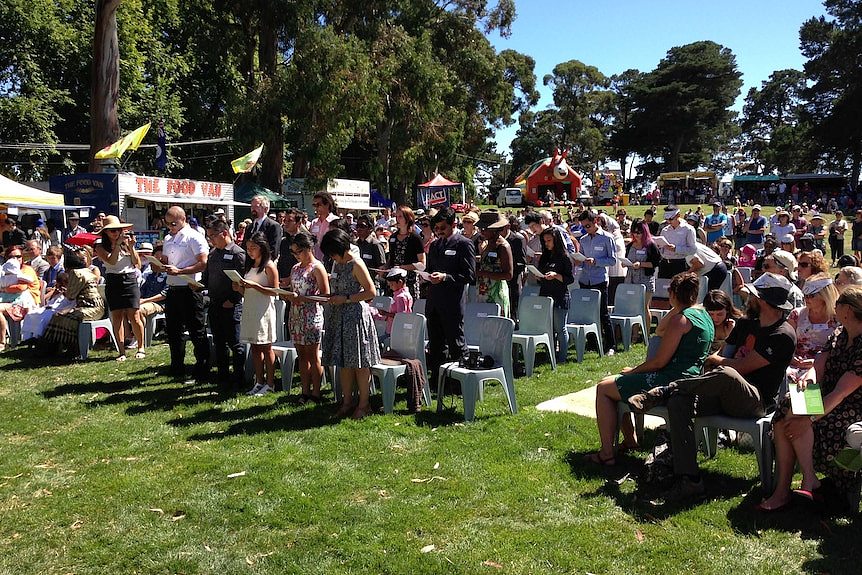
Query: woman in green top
pixel 687 333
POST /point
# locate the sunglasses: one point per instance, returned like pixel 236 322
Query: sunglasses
pixel 15 256
pixel 805 264
pixel 172 224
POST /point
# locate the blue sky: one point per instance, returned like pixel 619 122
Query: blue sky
pixel 616 36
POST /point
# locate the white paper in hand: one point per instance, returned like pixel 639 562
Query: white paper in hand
pixel 419 267
pixel 155 263
pixel 659 241
pixel 626 262
pixel 535 271
pixel 578 257
pixel 234 276
pixel 424 275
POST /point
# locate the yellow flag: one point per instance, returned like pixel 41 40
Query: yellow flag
pixel 131 140
pixel 247 162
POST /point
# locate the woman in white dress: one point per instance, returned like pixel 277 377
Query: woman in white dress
pixel 257 326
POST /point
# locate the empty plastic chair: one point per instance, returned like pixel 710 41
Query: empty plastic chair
pixel 535 326
pixel 584 318
pixel 419 306
pixel 408 340
pixel 630 301
pixel 495 341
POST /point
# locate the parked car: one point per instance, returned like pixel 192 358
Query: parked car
pixel 510 197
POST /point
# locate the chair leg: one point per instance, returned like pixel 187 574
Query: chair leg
pixel 470 391
pixel 387 386
pixel 552 353
pixel 440 380
pixel 626 327
pixel 86 334
pixel 580 344
pixel 509 388
pixel 530 357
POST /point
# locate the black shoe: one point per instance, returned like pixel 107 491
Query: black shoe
pixel 643 402
pixel 684 490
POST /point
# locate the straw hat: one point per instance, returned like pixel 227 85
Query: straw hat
pixel 114 223
pixel 492 221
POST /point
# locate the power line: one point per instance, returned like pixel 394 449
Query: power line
pixel 69 147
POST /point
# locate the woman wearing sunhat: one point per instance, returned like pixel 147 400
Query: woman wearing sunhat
pixel 495 262
pixel 116 249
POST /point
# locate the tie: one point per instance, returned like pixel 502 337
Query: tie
pixel 254 229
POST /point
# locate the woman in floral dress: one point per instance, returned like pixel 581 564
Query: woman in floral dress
pixel 305 321
pixel 813 323
pixel 495 262
pixel 814 441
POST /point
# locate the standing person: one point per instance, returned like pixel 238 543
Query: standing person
pixel 837 229
pixel 370 248
pixel 350 341
pixel 452 265
pixel 557 267
pixel 257 325
pixel 225 305
pixel 406 249
pixel 495 262
pixel 73 228
pixel 715 224
pixel 856 241
pixel 599 250
pixel 325 213
pixel 681 242
pixel 754 227
pixel 263 224
pixel 290 227
pixel 122 291
pixel 645 258
pixel 817 231
pixel 185 252
pixel 308 277
pixel 518 244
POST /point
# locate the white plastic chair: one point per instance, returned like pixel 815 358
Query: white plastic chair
pixel 745 273
pixel 280 307
pixel 535 326
pixel 419 306
pixel 661 293
pixel 383 302
pixel 629 300
pixel 474 314
pixel 702 289
pixel 583 318
pixel 150 327
pixel 408 340
pixel 87 329
pixel 495 341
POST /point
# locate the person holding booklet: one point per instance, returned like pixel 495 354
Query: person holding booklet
pixel 642 259
pixel 307 278
pixel 257 326
pixel 813 440
pixel 554 273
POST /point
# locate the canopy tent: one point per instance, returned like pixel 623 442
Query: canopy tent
pixel 245 192
pixel 378 200
pixel 437 192
pixel 13 194
pixel 755 178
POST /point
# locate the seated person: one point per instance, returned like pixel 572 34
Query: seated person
pixel 813 441
pixel 814 323
pixel 34 323
pixel 742 386
pixel 54 257
pixel 19 290
pixel 154 289
pixel 688 333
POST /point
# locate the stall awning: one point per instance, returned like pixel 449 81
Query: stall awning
pixel 14 194
pixel 166 199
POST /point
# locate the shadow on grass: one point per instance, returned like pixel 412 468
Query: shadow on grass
pixel 26 357
pixel 643 503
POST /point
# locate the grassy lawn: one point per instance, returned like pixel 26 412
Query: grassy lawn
pixel 114 468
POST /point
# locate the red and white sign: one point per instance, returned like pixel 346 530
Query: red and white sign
pixel 181 189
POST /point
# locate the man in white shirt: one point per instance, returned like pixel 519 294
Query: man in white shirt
pixel 185 253
pixel 680 242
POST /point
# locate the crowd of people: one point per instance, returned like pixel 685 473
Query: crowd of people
pixel 801 323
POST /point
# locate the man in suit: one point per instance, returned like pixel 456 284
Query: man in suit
pixel 263 224
pixel 452 266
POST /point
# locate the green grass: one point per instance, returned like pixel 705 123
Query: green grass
pixel 114 468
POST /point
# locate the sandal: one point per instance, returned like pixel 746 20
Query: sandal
pixel 596 457
pixel 140 355
pixel 121 358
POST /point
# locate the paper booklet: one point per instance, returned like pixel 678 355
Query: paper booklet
pixel 626 262
pixel 424 275
pixel 318 298
pixel 659 241
pixel 280 291
pixel 419 267
pixel 155 263
pixel 578 256
pixel 191 279
pixel 808 402
pixel 534 270
pixel 234 276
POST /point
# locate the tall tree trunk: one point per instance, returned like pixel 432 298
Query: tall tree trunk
pixel 674 156
pixel 272 172
pixel 384 136
pixel 104 81
pixel 856 158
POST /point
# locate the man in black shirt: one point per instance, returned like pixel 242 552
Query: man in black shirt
pixel 286 259
pixel 225 308
pixel 452 265
pixel 12 236
pixel 744 385
pixel 372 251
pixel 519 260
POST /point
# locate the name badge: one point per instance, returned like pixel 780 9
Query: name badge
pixel 366 256
pixel 640 252
pixel 450 252
pixel 492 254
pixel 598 249
pixel 228 257
pixel 333 275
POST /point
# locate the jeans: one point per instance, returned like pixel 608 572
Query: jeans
pixel 562 334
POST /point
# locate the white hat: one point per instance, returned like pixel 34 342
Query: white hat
pixel 756 207
pixel 396 273
pixel 811 287
pixel 219 212
pixel 786 260
pixel 145 247
pixel 670 212
pixel 786 239
pixel 773 289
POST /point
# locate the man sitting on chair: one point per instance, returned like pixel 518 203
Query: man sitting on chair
pixel 154 287
pixel 742 386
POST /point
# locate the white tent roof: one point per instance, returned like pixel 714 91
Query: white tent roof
pixel 14 194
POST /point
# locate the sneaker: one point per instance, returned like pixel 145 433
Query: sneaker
pixel 264 389
pixel 257 387
pixel 610 352
pixel 132 344
pixel 643 402
pixel 685 489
